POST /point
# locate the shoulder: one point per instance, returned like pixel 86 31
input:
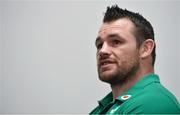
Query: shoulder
pixel 153 99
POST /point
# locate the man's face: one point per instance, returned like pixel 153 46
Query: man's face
pixel 117 52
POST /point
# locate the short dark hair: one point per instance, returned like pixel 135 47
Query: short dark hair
pixel 143 28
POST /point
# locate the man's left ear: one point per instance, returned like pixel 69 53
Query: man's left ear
pixel 146 48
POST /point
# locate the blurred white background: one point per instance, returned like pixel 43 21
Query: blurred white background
pixel 47 52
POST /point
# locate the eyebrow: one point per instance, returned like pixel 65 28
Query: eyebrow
pixel 113 35
pixel 109 36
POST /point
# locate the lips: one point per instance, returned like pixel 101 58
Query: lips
pixel 104 64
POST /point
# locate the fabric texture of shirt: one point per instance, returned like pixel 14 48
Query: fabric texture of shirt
pixel 147 96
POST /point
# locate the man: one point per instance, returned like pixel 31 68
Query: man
pixel 125 59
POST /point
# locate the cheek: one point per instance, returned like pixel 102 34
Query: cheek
pixel 126 55
pixel 97 57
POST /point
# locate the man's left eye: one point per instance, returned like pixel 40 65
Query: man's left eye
pixel 116 42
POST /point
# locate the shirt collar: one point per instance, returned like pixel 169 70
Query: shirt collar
pixel 107 99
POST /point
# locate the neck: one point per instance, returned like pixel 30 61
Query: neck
pixel 119 88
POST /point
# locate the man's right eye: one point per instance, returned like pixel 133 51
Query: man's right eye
pixel 99 46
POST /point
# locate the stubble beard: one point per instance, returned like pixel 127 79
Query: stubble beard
pixel 121 73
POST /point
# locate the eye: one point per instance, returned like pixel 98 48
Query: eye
pixel 99 45
pixel 115 42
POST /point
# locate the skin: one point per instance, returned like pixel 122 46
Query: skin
pixel 120 61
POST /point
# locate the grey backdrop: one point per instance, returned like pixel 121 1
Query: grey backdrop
pixel 47 52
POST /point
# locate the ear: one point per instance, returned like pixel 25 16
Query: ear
pixel 146 48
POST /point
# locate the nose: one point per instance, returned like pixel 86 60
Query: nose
pixel 104 52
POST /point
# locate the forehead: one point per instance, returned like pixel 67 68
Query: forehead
pixel 120 26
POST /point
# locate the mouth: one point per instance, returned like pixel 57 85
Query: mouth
pixel 105 64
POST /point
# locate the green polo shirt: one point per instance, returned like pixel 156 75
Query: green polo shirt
pixel 147 96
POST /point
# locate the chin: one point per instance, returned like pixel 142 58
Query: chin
pixel 107 75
